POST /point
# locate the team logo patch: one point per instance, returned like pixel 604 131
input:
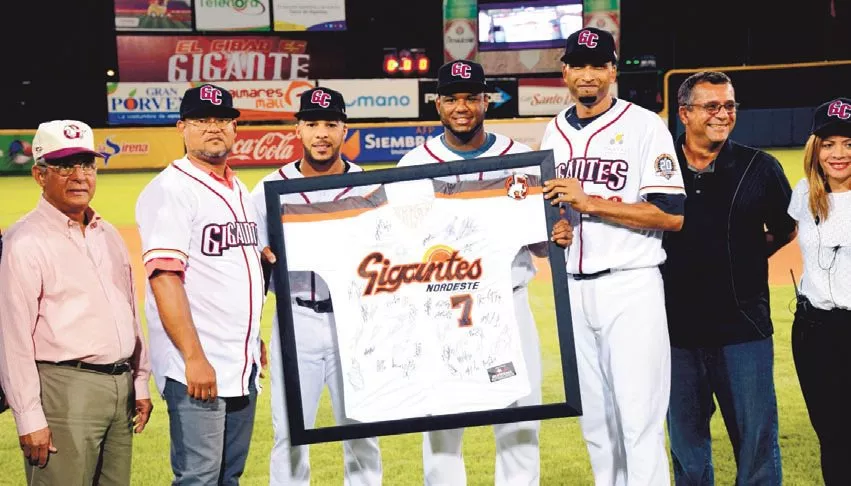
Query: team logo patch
pixel 440 264
pixel 211 94
pixel 501 372
pixel 462 70
pixel 517 186
pixel 588 39
pixel 321 98
pixel 617 139
pixel 839 109
pixel 72 132
pixel 665 166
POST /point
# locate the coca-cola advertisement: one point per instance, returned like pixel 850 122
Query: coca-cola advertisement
pixel 177 59
pixel 265 148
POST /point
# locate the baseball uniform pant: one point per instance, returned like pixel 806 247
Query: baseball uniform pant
pixel 623 357
pixel 91 418
pixel 318 365
pixel 517 453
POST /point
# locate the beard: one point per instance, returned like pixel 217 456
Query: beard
pixel 465 137
pixel 212 156
pixel 310 159
pixel 588 101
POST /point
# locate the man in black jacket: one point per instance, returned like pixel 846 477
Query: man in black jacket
pixel 716 290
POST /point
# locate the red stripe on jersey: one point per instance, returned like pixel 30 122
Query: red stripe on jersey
pixel 510 144
pixel 564 136
pixel 303 195
pixel 244 256
pixel 588 144
pixel 342 193
pixel 250 291
pixel 435 157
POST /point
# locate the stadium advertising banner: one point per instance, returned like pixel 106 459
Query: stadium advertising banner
pixel 543 96
pixel 525 61
pixel 265 147
pixel 386 143
pixel 16 152
pixel 528 132
pixel 153 15
pixel 241 15
pixel 144 103
pixel 138 148
pixel 378 98
pixel 209 59
pixel 159 103
pixel 297 15
pixel 502 95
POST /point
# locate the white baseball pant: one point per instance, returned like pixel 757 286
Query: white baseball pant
pixel 517 453
pixel 624 361
pixel 318 365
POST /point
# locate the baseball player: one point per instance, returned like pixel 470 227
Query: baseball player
pixel 322 130
pixel 620 182
pixel 462 104
pixel 204 294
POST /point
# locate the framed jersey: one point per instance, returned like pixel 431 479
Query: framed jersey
pixel 419 272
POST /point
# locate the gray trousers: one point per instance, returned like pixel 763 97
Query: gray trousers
pixel 91 418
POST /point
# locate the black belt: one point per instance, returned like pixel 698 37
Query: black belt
pixel 590 276
pixel 832 316
pixel 118 368
pixel 318 306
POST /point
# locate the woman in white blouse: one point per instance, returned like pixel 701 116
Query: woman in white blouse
pixel 821 333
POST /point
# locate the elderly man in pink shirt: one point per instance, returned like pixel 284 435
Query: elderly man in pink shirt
pixel 73 359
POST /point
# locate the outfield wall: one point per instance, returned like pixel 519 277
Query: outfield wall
pixel 257 146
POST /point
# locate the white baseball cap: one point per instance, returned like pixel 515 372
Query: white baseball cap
pixel 63 138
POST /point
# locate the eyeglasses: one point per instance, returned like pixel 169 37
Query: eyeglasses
pixel 220 123
pixel 88 168
pixel 714 108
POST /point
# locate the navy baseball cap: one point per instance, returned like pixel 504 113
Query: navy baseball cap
pixel 833 118
pixel 461 77
pixel 207 100
pixel 322 104
pixel 590 46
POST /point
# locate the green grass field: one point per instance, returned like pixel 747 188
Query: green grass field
pixel 564 460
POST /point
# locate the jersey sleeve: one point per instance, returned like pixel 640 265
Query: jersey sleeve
pixel 546 139
pixel 526 217
pixel 799 204
pixel 313 245
pixel 258 200
pixel 164 215
pixel 660 170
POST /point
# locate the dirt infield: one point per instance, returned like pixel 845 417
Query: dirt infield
pixel 778 268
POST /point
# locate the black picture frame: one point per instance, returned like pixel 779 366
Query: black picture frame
pixel 299 435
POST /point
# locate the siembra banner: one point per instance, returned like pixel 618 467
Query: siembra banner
pixel 377 98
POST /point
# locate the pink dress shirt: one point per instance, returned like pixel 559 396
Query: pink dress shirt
pixel 64 295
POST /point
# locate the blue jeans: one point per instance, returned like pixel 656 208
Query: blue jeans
pixel 209 440
pixel 741 378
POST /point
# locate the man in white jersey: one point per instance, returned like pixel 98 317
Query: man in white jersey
pixel 321 129
pixel 620 182
pixel 462 104
pixel 204 294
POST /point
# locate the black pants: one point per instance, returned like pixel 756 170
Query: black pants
pixel 820 342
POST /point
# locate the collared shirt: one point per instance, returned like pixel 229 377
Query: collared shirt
pixel 64 295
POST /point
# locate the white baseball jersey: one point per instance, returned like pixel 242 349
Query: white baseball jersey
pixel 184 214
pixel 305 285
pixel 435 151
pixel 623 155
pixel 422 292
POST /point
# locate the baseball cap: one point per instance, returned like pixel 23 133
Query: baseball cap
pixel 461 77
pixel 63 138
pixel 589 46
pixel 321 104
pixel 207 100
pixel 832 118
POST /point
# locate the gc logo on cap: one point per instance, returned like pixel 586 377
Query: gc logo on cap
pixel 63 138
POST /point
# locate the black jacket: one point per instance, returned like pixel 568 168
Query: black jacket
pixel 716 272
